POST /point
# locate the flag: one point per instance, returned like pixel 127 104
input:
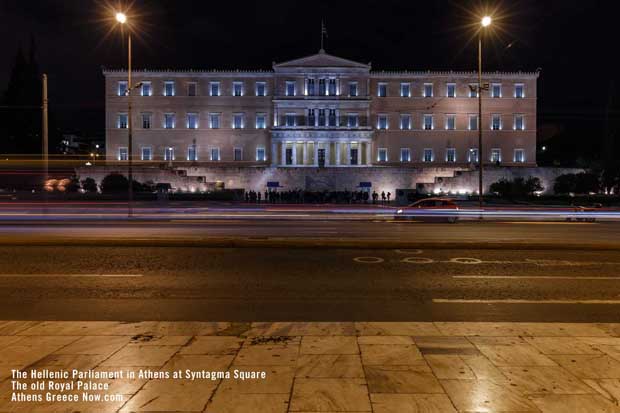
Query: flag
pixel 323 29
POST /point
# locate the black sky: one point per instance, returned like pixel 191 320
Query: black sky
pixel 575 43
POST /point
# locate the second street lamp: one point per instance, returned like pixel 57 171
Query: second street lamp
pixel 485 22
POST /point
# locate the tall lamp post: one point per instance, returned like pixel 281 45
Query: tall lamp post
pixel 122 19
pixel 485 22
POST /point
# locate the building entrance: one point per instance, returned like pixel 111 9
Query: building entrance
pixel 321 158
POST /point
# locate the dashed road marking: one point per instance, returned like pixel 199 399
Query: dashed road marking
pixel 417 260
pixel 408 251
pixel 535 277
pixel 519 301
pixel 368 260
pixel 68 275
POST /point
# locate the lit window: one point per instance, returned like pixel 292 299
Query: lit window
pixel 192 153
pixel 290 119
pixel 122 88
pixel 169 88
pixel 382 122
pixel 122 153
pixel 261 155
pixel 290 88
pixel 450 122
pixel 352 120
pixel 237 89
pixel 322 88
pixel 519 124
pixel 214 88
pixel 146 89
pixel 428 90
pixel 192 121
pixel 261 121
pixel 496 155
pixel 238 121
pixel 428 122
pixel 382 155
pixel 168 120
pixel 473 122
pixel 352 89
pixel 496 121
pixel 473 90
pixel 122 121
pixel 496 90
pixel 261 89
pixel 519 91
pixel 405 122
pixel 472 155
pixel 519 155
pixel 215 154
pixel 332 87
pixel 192 89
pixel 238 154
pixel 214 120
pixel 382 90
pixel 428 155
pixel 451 90
pixel 169 154
pixel 310 87
pixel 451 155
pixel 405 155
pixel 405 90
pixel 146 153
pixel 146 120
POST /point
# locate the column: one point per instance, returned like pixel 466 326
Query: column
pixel 305 152
pixel 348 154
pixel 338 145
pixel 294 145
pixel 316 153
pixel 327 153
pixel 283 152
pixel 274 153
pixel 368 154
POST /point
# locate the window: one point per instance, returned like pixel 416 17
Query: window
pixel 473 90
pixel 428 155
pixel 237 88
pixel 496 121
pixel 352 88
pixel 352 120
pixel 215 154
pixel 451 90
pixel 496 155
pixel 519 91
pixel 311 117
pixel 310 87
pixel 192 89
pixel 261 155
pixel 405 155
pixel 122 88
pixel 191 153
pixel 428 122
pixel 332 117
pixel 290 120
pixel 214 120
pixel 519 155
pixel 122 121
pixel 238 121
pixel 146 121
pixel 405 122
pixel 290 88
pixel 382 155
pixel 428 90
pixel 450 155
pixel 168 120
pixel 450 122
pixel 238 154
pixel 496 90
pixel 382 90
pixel 322 88
pixel 322 118
pixel 473 122
pixel 169 154
pixel 261 89
pixel 519 124
pixel 332 87
pixel 405 90
pixel 382 122
pixel 146 153
pixel 146 89
pixel 472 155
pixel 122 153
pixel 261 121
pixel 214 88
pixel 192 121
pixel 169 88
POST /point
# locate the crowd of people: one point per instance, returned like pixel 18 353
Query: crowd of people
pixel 299 196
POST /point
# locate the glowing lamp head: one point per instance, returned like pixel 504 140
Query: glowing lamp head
pixel 121 17
pixel 486 21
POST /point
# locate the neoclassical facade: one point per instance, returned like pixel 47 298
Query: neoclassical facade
pixel 321 111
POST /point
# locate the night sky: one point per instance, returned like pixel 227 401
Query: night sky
pixel 574 43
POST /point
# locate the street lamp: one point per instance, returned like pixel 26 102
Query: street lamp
pixel 485 22
pixel 122 19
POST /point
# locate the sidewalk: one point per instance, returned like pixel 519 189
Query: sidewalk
pixel 328 367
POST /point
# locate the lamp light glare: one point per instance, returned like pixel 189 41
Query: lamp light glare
pixel 121 17
pixel 486 20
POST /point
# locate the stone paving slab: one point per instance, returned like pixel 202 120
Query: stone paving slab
pixel 323 367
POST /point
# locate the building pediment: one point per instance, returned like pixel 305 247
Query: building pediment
pixel 321 59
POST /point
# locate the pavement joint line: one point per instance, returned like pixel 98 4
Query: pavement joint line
pixel 534 277
pixel 521 301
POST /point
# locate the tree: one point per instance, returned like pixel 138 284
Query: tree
pixel 564 184
pixel 73 185
pixel 517 188
pixel 533 185
pixel 89 185
pixel 114 183
pixel 586 182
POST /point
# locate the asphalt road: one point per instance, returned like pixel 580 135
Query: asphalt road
pixel 266 284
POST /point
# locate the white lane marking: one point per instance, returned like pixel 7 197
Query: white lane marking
pixel 417 260
pixel 529 261
pixel 536 277
pixel 464 260
pixel 408 251
pixel 67 275
pixel 368 260
pixel 518 301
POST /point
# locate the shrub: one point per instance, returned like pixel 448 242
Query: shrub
pixel 89 185
pixel 114 183
pixel 519 187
